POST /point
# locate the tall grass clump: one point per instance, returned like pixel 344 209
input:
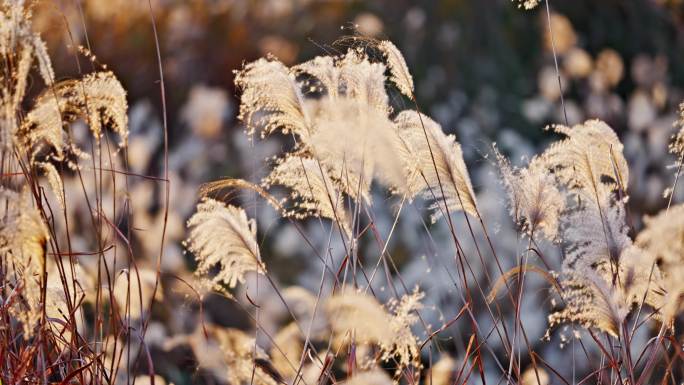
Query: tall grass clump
pixel 77 283
pixel 349 143
pixel 72 303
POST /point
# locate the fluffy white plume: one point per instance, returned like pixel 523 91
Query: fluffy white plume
pixel 535 201
pixel 313 193
pixel 604 275
pixel 54 180
pixel 589 161
pixel 271 99
pixel 399 72
pixel 99 98
pixel 663 239
pixel 241 355
pixel 221 235
pixel 369 149
pixel 23 238
pixel 436 165
pixel 360 315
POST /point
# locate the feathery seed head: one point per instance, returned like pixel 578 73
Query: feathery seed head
pixel 221 235
pixel 534 200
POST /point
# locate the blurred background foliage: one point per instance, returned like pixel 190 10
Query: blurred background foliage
pixel 480 57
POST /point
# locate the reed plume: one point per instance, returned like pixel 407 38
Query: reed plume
pixel 535 202
pixel 23 243
pixel 99 98
pixel 221 235
pixel 663 239
pixel 589 162
pixel 329 97
pixel 359 317
pixel 435 165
